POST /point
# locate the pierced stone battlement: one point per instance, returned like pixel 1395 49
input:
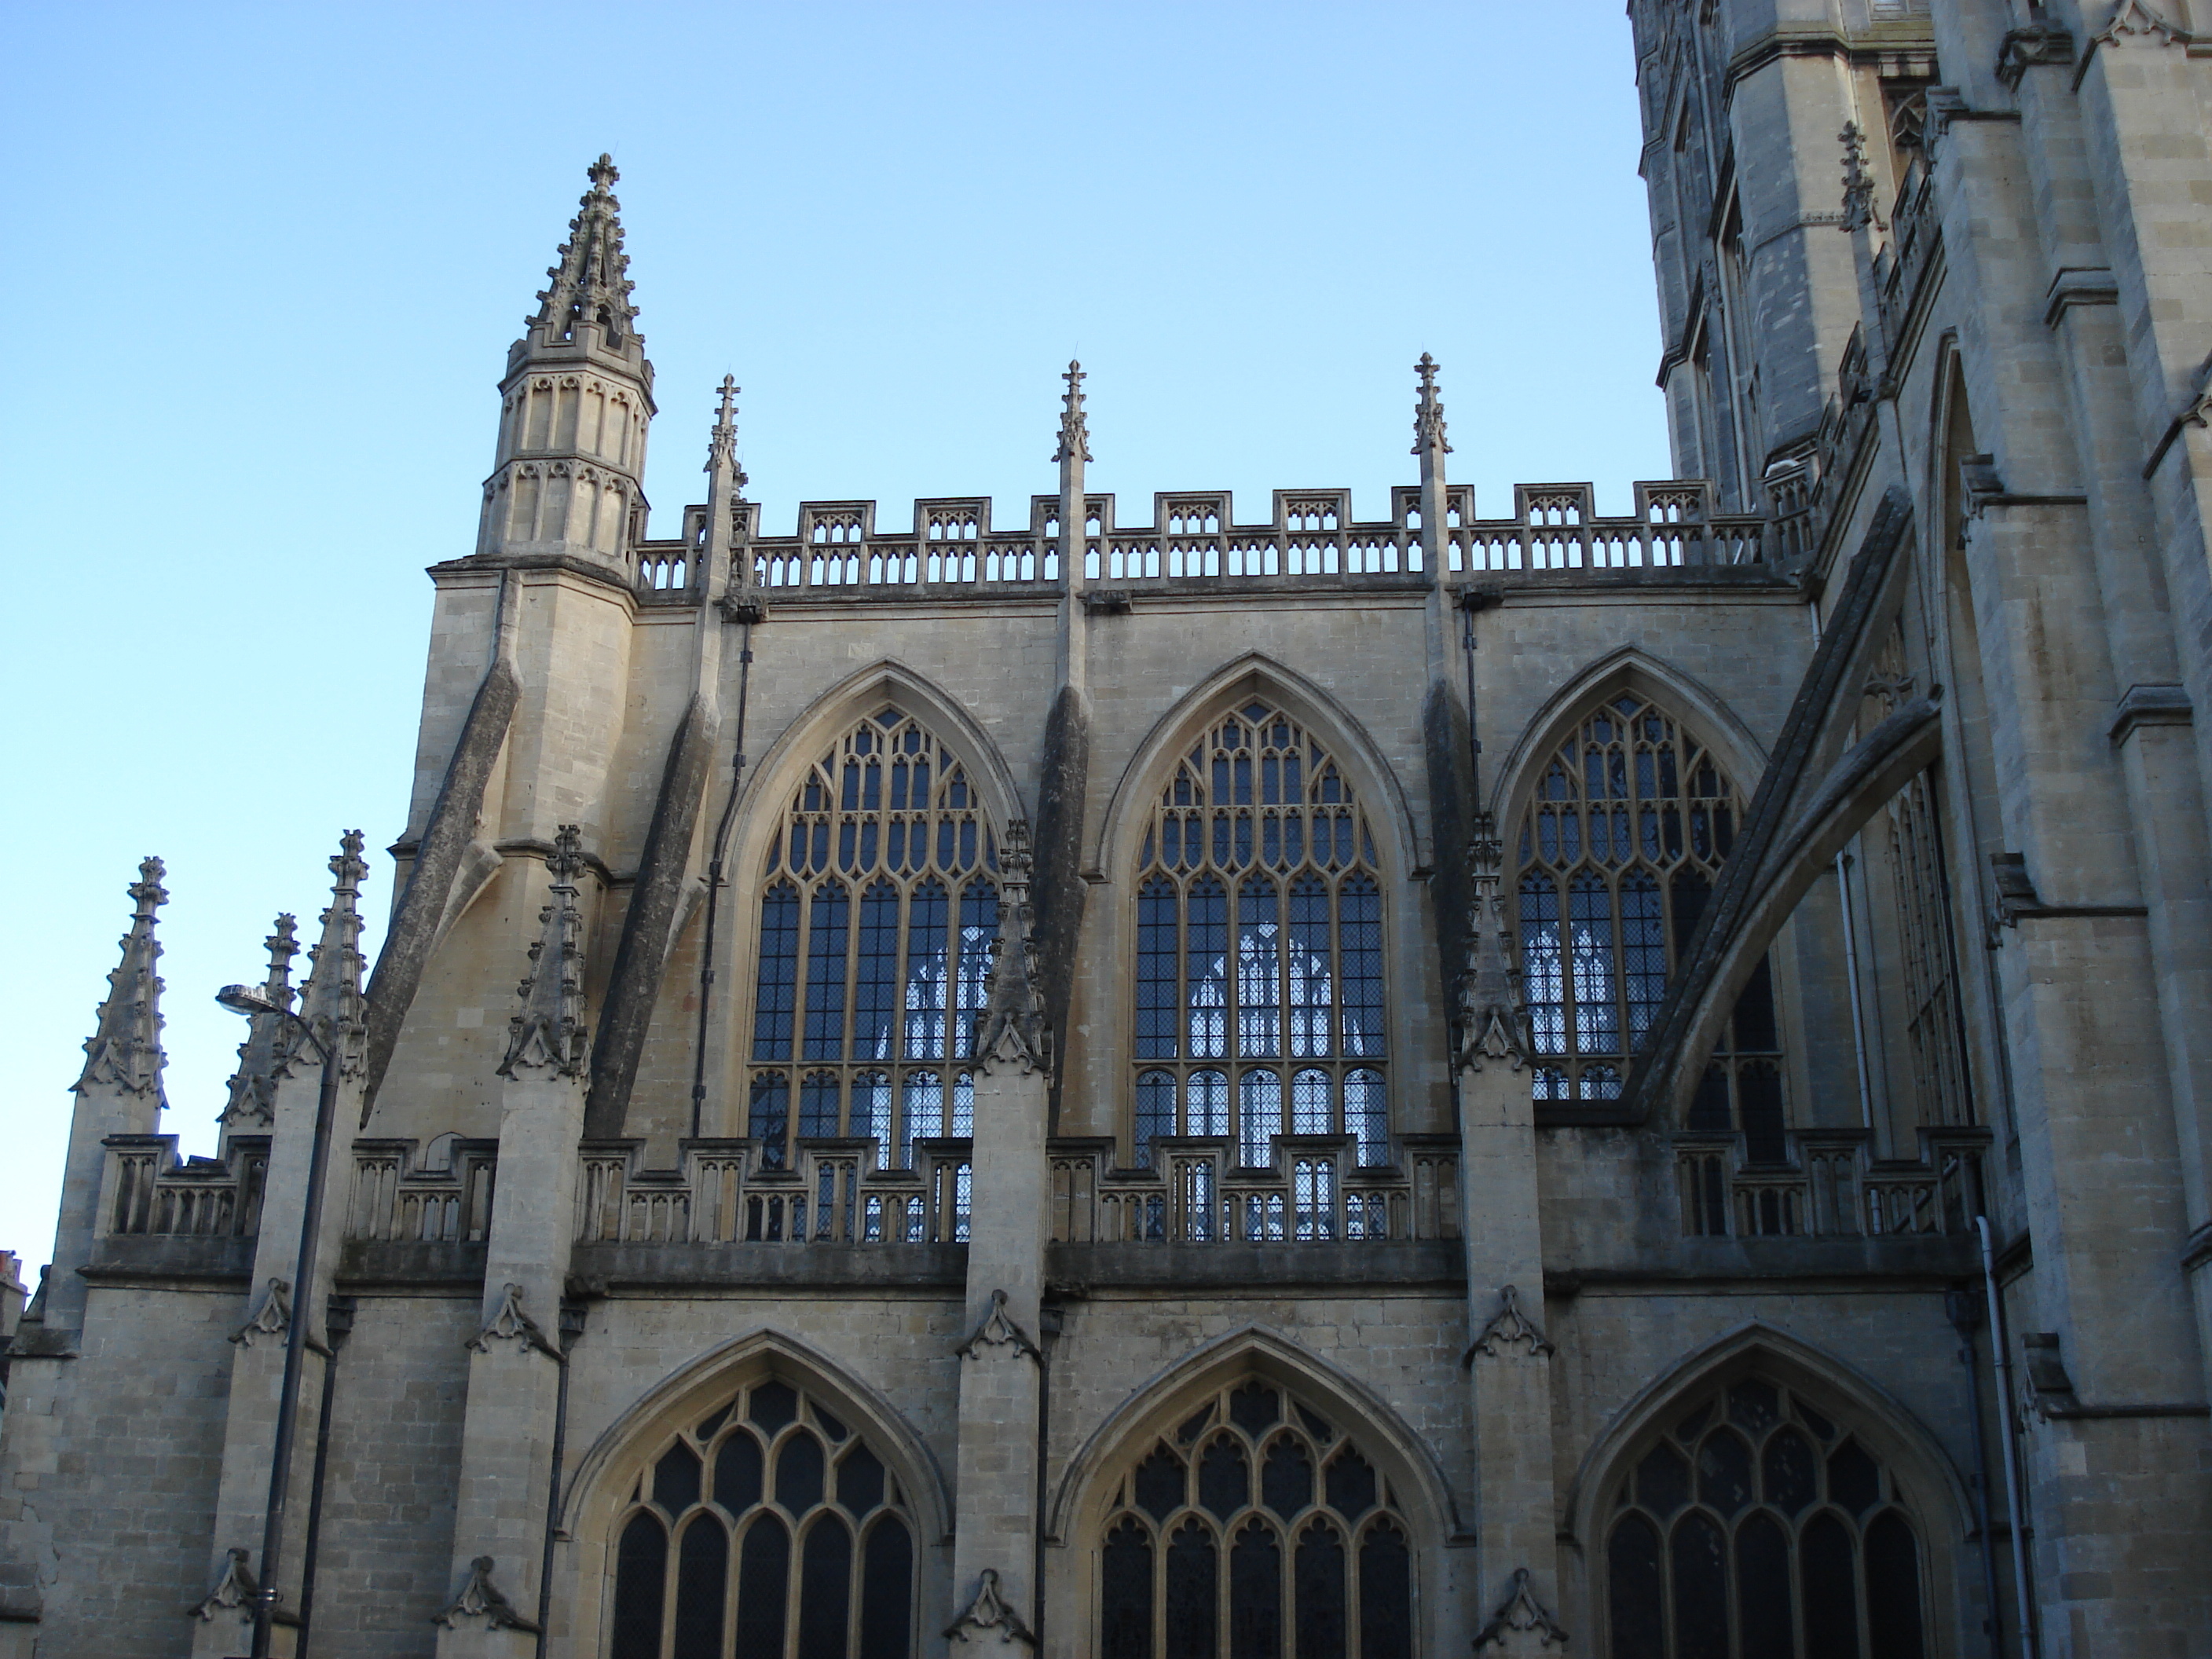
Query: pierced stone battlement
pixel 1194 543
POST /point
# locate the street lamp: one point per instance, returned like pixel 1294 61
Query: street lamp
pixel 251 999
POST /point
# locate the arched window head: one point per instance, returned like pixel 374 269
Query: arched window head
pixel 1255 1517
pixel 878 908
pixel 767 1522
pixel 1625 831
pixel 1259 1006
pixel 1748 1510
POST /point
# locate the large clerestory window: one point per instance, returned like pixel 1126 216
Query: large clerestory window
pixel 1623 837
pixel 1259 984
pixel 878 912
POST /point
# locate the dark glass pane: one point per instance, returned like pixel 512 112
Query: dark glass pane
pixel 1225 1484
pixel 1318 1583
pixel 1700 1562
pixel 829 919
pixel 1126 1595
pixel 1755 1013
pixel 1691 892
pixel 1192 1607
pixel 1194 1425
pixel 1708 1106
pixel 1759 1103
pixel 799 1474
pixel 887 1592
pixel 1762 1589
pixel 1159 1484
pixel 1359 957
pixel 1893 1588
pixel 702 1569
pixel 1255 1594
pixel 1832 1601
pixel 875 985
pixel 1254 1408
pixel 774 1405
pixel 1317 1426
pixel 1813 1420
pixel 738 1473
pixel 1790 1472
pixel 776 994
pixel 1386 1596
pixel 1286 1480
pixel 1662 1481
pixel 1854 1478
pixel 1724 1472
pixel 763 1587
pixel 1633 1596
pixel 714 1421
pixel 1350 1484
pixel 860 1480
pixel 676 1478
pixel 1754 1404
pixel 825 1590
pixel 830 1426
pixel 641 1567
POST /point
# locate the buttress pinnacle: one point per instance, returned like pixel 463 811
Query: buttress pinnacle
pixel 269 1045
pixel 124 1051
pixel 1074 428
pixel 592 282
pixel 331 1003
pixel 1428 410
pixel 547 1038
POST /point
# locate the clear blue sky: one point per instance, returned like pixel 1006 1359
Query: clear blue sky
pixel 268 260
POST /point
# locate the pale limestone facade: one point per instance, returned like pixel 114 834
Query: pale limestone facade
pixel 1934 608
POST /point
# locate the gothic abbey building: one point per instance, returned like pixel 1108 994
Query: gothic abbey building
pixel 1097 1078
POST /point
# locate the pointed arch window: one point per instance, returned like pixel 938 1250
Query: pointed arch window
pixel 767 1522
pixel 1622 842
pixel 1254 1518
pixel 877 910
pixel 1752 1525
pixel 1260 991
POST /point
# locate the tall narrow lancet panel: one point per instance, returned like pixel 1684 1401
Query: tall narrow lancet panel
pixel 1625 834
pixel 879 904
pixel 1259 986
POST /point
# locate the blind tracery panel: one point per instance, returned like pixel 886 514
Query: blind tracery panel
pixel 1622 842
pixel 1756 1528
pixel 877 921
pixel 1259 971
pixel 767 1530
pixel 1254 1530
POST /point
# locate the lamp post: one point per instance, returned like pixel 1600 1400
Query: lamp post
pixel 251 999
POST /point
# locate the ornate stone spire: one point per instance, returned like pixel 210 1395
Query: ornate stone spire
pixel 268 1049
pixel 1492 1025
pixel 547 1038
pixel 1074 430
pixel 331 1003
pixel 592 282
pixel 124 1051
pixel 722 442
pixel 1428 412
pixel 1014 1031
pixel 1858 183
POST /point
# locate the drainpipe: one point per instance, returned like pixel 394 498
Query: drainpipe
pixel 2001 1357
pixel 1959 1305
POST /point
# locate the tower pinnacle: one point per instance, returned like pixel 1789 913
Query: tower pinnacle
pixel 1429 412
pixel 125 1050
pixel 332 1004
pixel 1074 429
pixel 592 282
pixel 267 1047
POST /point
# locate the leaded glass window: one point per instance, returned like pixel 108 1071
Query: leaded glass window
pixel 766 1529
pixel 1623 837
pixel 1258 967
pixel 1753 1527
pixel 878 914
pixel 1256 1530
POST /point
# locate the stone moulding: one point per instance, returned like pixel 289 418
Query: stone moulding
pixel 1509 1329
pixel 234 1588
pixel 1521 1614
pixel 508 1323
pixel 998 1330
pixel 990 1614
pixel 481 1599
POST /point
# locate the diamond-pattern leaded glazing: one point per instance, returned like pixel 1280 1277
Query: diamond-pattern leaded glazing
pixel 877 917
pixel 1259 973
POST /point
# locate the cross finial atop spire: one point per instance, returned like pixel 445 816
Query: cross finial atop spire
pixel 125 1050
pixel 591 283
pixel 1428 411
pixel 1074 431
pixel 547 1038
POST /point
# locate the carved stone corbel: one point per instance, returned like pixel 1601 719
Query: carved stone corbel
pixel 1522 1623
pixel 234 1590
pixel 508 1323
pixel 481 1599
pixel 998 1330
pixel 990 1613
pixel 1509 1328
pixel 272 1318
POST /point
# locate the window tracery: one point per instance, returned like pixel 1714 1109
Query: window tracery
pixel 768 1527
pixel 1259 986
pixel 878 914
pixel 1753 1526
pixel 1623 839
pixel 1254 1518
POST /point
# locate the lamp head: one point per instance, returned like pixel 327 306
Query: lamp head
pixel 248 1000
